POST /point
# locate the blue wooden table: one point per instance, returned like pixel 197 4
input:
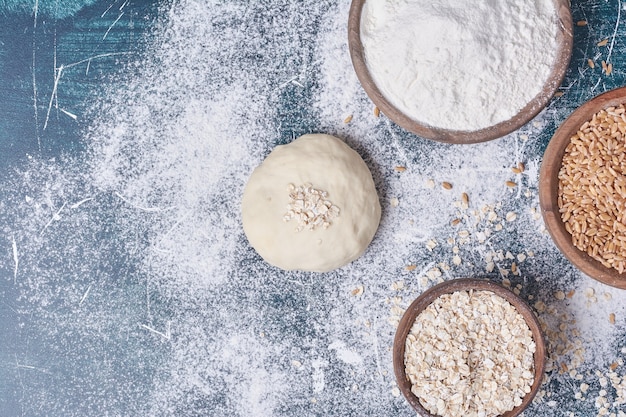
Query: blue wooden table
pixel 127 287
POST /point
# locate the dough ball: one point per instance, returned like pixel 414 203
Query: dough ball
pixel 311 205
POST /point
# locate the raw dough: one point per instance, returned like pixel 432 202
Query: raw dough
pixel 326 163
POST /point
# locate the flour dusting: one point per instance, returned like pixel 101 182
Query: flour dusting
pixel 135 291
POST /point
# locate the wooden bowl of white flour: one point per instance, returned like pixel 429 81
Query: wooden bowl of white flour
pixel 457 72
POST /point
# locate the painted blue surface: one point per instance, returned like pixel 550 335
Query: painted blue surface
pixel 93 338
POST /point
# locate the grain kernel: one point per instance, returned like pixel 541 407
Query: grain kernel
pixel 376 111
pixel 603 42
pixel 446 185
pixel 465 200
pixel 511 184
pixel 357 291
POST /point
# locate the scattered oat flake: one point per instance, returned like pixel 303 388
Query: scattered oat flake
pixel 431 244
pixel 559 295
pixel 557 94
pixel 410 268
pixel 612 318
pixel 394 202
pixel 521 257
pixel 511 216
pixel 540 306
pixel 613 366
pixel 446 185
pixel 430 184
pixel 456 259
pixel 589 292
pixel 571 293
pixel 397 285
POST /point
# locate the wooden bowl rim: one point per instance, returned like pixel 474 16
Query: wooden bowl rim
pixel 565 40
pixel 466 284
pixel 549 185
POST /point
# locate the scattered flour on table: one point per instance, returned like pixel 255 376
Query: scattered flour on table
pixel 463 66
pixel 143 263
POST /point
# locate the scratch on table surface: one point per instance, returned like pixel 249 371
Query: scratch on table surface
pixel 16 259
pixel 80 203
pixel 54 217
pixel 34 63
pixel 67 113
pixel 34 368
pixel 57 77
pixel 112 24
pixel 293 80
pixel 88 60
pixel 596 85
pixel 84 297
pixel 167 335
pixel 169 232
pixel 107 9
pixel 619 13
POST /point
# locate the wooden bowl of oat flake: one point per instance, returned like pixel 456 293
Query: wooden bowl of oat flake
pixel 582 188
pixel 469 347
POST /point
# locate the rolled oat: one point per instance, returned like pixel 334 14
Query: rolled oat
pixel 470 353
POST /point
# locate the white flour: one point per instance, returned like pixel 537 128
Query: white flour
pixel 457 66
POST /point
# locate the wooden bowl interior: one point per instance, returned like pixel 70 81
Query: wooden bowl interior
pixel 549 188
pixel 463 285
pixel 564 42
